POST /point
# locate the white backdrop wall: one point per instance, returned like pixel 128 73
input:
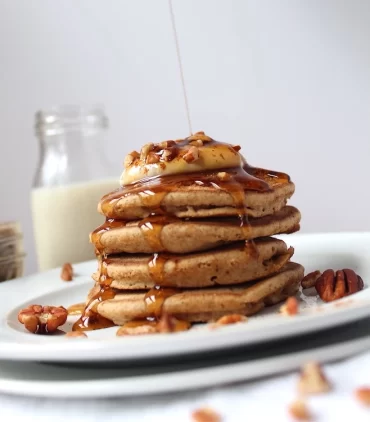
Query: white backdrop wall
pixel 289 80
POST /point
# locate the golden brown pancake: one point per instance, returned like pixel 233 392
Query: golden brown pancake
pixel 203 305
pixel 174 235
pixel 197 201
pixel 236 263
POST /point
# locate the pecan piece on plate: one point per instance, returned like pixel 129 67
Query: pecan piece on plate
pixel 67 272
pixel 290 307
pixel 42 319
pixel 335 285
pixel 309 280
pixel 76 334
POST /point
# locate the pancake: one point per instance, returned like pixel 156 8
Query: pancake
pixel 178 236
pixel 198 201
pixel 235 263
pixel 203 305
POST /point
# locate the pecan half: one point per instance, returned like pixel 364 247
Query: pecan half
pixel 310 279
pixel 332 286
pixel 67 272
pixel 42 319
pixel 191 155
pixel 205 414
pixel 313 380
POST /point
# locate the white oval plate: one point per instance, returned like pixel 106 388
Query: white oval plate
pixel 43 380
pixel 314 251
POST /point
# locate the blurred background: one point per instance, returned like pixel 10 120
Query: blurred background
pixel 288 80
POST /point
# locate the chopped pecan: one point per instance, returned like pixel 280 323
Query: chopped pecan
pixel 332 286
pixel 169 153
pixel 197 143
pixel 145 150
pixel 201 136
pixel 152 158
pixel 299 411
pixel 205 414
pixel 223 176
pixel 312 379
pixel 290 307
pixel 166 144
pixel 310 279
pixel 67 272
pixel 42 319
pixel 363 395
pixel 130 158
pixel 191 155
pixel 76 334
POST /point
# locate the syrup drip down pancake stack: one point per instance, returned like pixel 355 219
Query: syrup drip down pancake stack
pixel 189 233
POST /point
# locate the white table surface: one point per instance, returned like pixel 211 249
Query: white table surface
pixel 264 400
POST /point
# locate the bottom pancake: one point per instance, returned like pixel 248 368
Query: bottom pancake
pixel 207 304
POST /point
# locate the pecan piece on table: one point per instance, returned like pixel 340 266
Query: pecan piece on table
pixel 312 379
pixel 42 319
pixel 299 411
pixel 335 285
pixel 205 414
pixel 363 395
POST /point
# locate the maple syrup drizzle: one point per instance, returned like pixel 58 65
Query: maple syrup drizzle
pixel 91 319
pixel 154 299
pixel 76 309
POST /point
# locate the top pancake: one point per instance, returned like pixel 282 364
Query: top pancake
pixel 198 200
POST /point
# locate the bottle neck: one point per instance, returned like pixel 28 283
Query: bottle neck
pixel 71 148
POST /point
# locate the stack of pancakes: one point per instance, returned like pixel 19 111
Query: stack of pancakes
pixel 189 234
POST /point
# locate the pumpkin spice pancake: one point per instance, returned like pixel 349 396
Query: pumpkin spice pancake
pixel 204 305
pixel 165 179
pixel 232 264
pixel 175 235
pixel 189 232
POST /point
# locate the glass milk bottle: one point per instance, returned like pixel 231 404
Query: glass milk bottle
pixel 72 175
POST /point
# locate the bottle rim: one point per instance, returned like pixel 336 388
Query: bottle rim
pixel 67 118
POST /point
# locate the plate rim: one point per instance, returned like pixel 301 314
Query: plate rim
pixel 10 349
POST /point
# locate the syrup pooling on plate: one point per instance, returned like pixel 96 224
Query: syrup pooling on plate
pixel 91 319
